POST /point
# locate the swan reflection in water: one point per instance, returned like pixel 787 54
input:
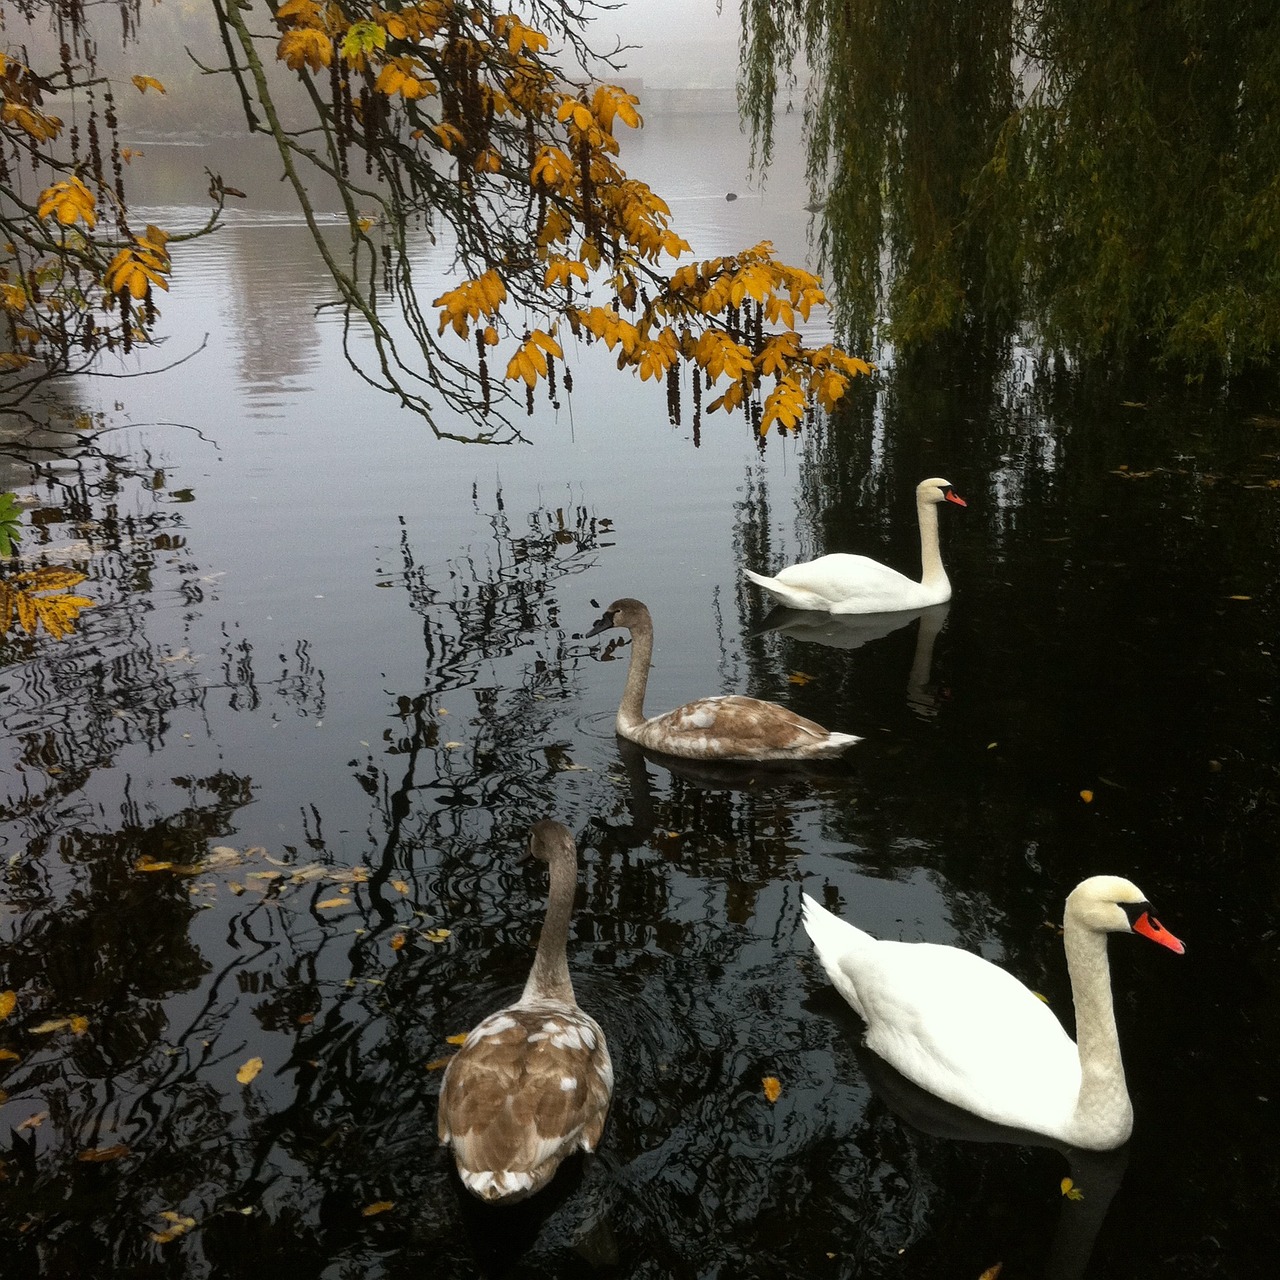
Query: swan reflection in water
pixel 1097 1174
pixel 852 631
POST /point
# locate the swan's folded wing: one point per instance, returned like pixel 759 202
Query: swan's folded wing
pixel 527 1087
pixel 969 1032
pixel 746 726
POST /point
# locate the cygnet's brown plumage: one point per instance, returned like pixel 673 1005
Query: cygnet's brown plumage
pixel 726 728
pixel 531 1083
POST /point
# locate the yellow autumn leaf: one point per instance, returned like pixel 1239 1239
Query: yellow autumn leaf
pixel 78 1024
pixel 397 942
pixel 772 1088
pixel 69 202
pixel 378 1206
pixel 147 864
pixel 437 1064
pixel 400 886
pixel 99 1155
pixel 992 1272
pixel 458 1039
pixel 178 1225
pixel 50 1025
pixel 8 1003
pixel 148 82
pixel 8 1055
pixel 1070 1190
pixel 249 1070
pixel 799 677
pixel 1087 796
pixel 333 902
pixel 436 935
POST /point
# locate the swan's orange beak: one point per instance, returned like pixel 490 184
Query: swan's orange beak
pixel 952 496
pixel 1153 929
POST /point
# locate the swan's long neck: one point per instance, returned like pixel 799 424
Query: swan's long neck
pixel 549 977
pixel 931 571
pixel 631 708
pixel 1104 1097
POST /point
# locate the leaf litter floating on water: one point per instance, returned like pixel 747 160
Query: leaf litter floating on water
pixel 772 1088
pixel 99 1155
pixel 1070 1190
pixel 249 1070
pixel 178 1226
pixel 378 1206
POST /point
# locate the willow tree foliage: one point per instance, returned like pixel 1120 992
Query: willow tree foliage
pixel 479 126
pixel 1103 173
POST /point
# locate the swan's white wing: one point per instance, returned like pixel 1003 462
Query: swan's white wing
pixel 969 1032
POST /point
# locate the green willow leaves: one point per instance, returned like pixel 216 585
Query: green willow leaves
pixel 1099 175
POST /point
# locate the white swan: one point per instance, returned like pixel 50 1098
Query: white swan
pixel 532 1082
pixel 841 583
pixel 972 1034
pixel 725 728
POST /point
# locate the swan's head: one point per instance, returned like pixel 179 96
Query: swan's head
pixel 547 838
pixel 938 490
pixel 625 613
pixel 1111 904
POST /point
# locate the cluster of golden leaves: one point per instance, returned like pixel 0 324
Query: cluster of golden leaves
pixel 39 596
pixel 732 318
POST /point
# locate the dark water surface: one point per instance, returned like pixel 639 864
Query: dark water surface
pixel 336 661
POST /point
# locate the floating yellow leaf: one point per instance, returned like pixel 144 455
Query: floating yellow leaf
pixel 333 902
pixel 178 1225
pixel 99 1155
pixel 400 886
pixel 147 864
pixel 436 935
pixel 51 1025
pixel 992 1272
pixel 397 942
pixel 148 82
pixel 1239 597
pixel 1087 796
pixel 1070 1190
pixel 249 1070
pixel 772 1088
pixel 799 677
pixel 437 1064
pixel 8 1055
pixel 8 1003
pixel 458 1039
pixel 378 1206
pixel 79 1024
pixel 33 1122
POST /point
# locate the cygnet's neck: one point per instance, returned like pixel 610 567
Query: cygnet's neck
pixel 631 708
pixel 549 976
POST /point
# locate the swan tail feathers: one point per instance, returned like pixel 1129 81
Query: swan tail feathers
pixel 836 942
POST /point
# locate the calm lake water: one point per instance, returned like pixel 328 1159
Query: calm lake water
pixel 335 672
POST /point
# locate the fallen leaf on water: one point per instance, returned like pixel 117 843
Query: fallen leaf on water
pixel 99 1155
pixel 400 886
pixel 453 746
pixel 333 902
pixel 992 1272
pixel 236 887
pixel 799 677
pixel 8 1055
pixel 8 1003
pixel 264 875
pixel 458 1039
pixel 1042 999
pixel 149 864
pixel 1239 597
pixel 1087 796
pixel 249 1070
pixel 305 1019
pixel 991 746
pixel 178 1225
pixel 437 1063
pixel 50 1025
pixel 772 1088
pixel 33 1122
pixel 378 1206
pixel 397 942
pixel 1070 1190
pixel 436 935
pixel 79 1024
